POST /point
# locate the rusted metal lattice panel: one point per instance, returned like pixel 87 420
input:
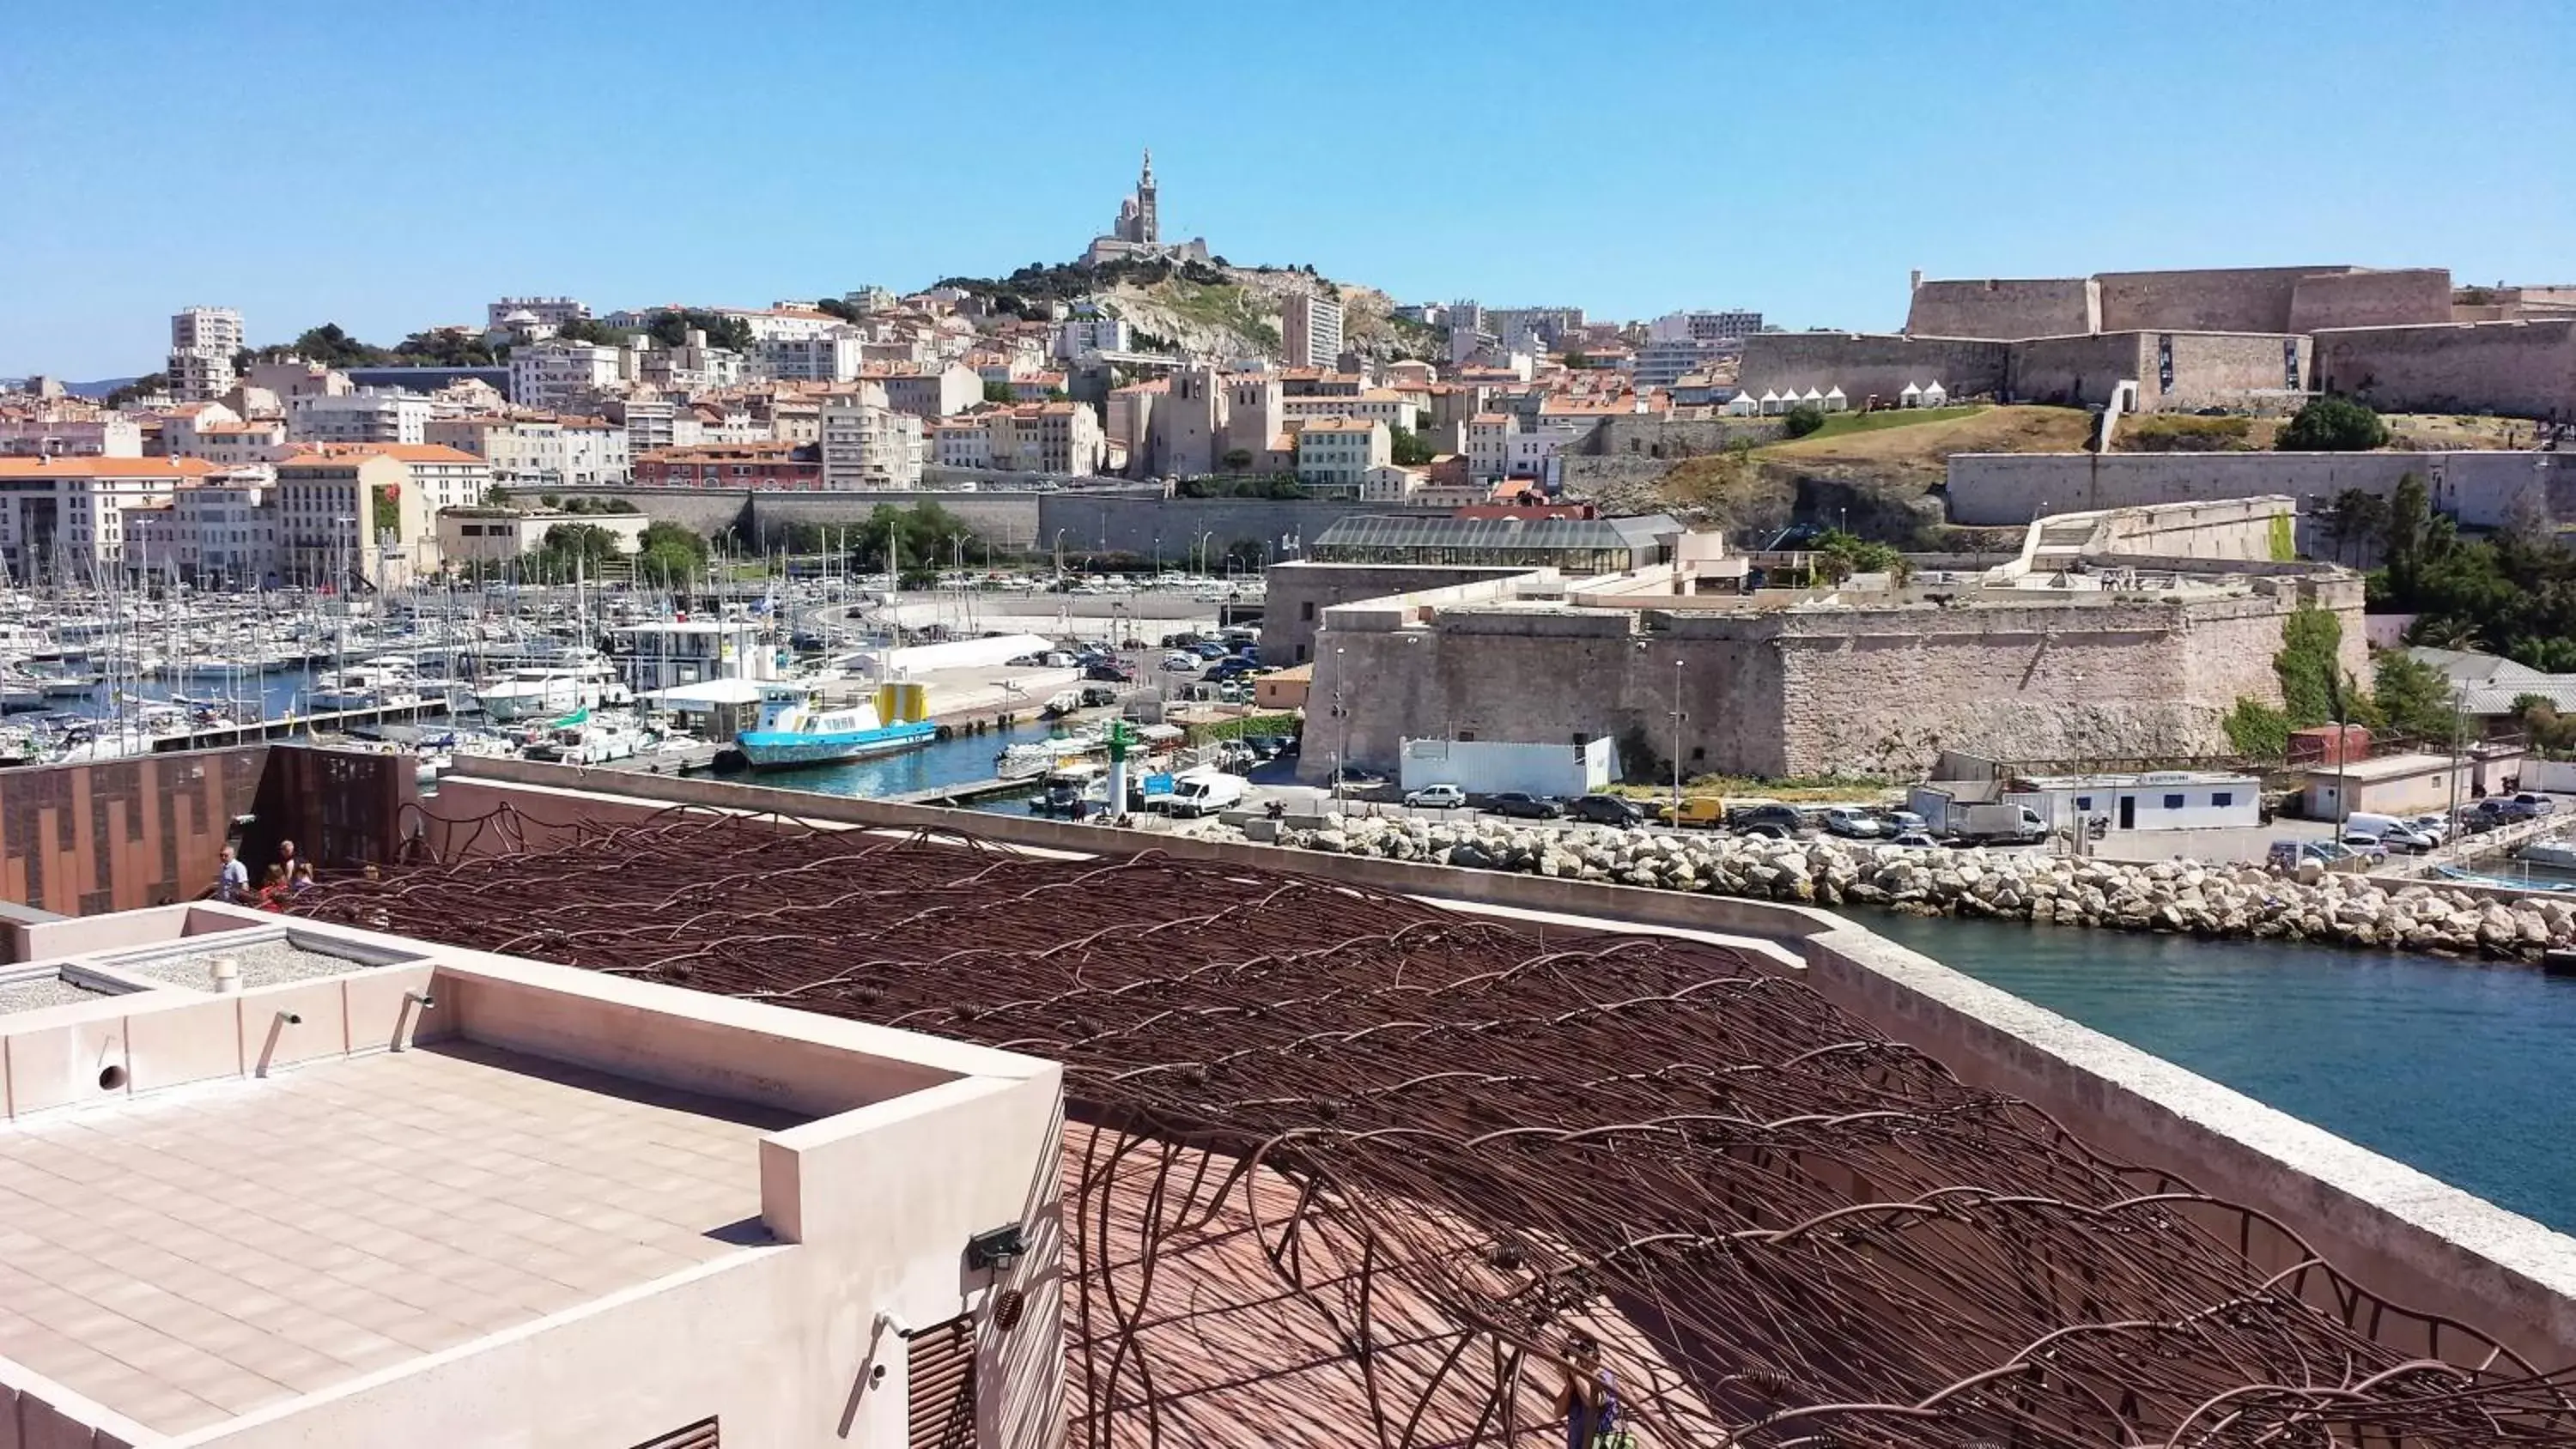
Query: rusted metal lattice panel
pixel 939 1386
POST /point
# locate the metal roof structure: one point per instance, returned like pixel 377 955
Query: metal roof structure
pixel 1342 1167
pixel 1378 537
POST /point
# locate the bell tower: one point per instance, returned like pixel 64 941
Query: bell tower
pixel 1147 231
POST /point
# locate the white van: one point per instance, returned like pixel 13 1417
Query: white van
pixel 2388 830
pixel 1204 793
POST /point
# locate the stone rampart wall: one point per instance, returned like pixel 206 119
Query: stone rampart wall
pixel 1995 307
pixel 1654 437
pixel 2221 369
pixel 1866 365
pixel 1867 692
pixel 2216 299
pixel 2405 296
pixel 2479 489
pixel 2079 371
pixel 2520 369
pixel 1298 595
pixel 1171 527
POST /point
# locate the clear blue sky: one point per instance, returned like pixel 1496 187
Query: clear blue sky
pixel 394 166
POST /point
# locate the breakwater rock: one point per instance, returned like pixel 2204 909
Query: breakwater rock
pixel 2175 896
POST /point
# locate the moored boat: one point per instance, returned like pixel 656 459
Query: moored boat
pixel 797 728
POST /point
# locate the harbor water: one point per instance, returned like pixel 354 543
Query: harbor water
pixel 2449 1066
pixel 959 760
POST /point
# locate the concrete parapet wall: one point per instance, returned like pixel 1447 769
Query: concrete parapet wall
pixel 2520 369
pixel 2424 1245
pixel 2480 489
pixel 1299 593
pixel 1996 307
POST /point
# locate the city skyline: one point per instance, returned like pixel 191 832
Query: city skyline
pixel 1732 158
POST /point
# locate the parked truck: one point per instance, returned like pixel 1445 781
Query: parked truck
pixel 1992 825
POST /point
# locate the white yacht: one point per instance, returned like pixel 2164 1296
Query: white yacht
pixel 546 691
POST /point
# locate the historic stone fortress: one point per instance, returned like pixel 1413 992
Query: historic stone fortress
pixel 2118 635
pixel 2246 339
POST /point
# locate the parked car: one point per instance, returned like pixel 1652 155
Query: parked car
pixel 1111 673
pixel 1705 812
pixel 1229 669
pixel 1437 797
pixel 2365 846
pixel 2540 804
pixel 1524 806
pixel 2507 812
pixel 1767 830
pixel 1786 817
pixel 1914 839
pixel 1096 695
pixel 2436 828
pixel 1177 662
pixel 1607 810
pixel 1851 821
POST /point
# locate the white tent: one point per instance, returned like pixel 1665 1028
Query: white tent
pixel 1743 405
pixel 1813 396
pixel 1771 404
pixel 1934 395
pixel 1835 402
pixel 1912 396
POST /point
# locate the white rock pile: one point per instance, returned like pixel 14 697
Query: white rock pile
pixel 2177 896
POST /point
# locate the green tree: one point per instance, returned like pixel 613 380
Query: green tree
pixel 1803 419
pixel 670 555
pixel 1578 360
pixel 2257 731
pixel 2333 425
pixel 996 392
pixel 1410 450
pixel 151 384
pixel 2310 667
pixel 2413 697
pixel 1841 555
pixel 1236 459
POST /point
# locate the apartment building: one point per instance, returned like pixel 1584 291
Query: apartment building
pixel 562 376
pixel 795 467
pixel 352 518
pixel 1664 361
pixel 1310 330
pixel 203 343
pixel 691 368
pixel 51 431
pixel 931 390
pixel 1731 325
pixel 1336 454
pixel 552 311
pixel 867 444
pixel 222 530
pixel 834 355
pixel 965 442
pixel 64 518
pixel 1383 404
pixel 1056 437
pixel 369 415
pixel 1092 334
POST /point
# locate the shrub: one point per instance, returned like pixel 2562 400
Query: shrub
pixel 2333 425
pixel 1803 419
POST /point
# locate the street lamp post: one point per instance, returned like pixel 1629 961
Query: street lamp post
pixel 1059 556
pixel 1342 725
pixel 1677 740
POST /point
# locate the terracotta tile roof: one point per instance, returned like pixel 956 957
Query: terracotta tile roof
pixel 104 467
